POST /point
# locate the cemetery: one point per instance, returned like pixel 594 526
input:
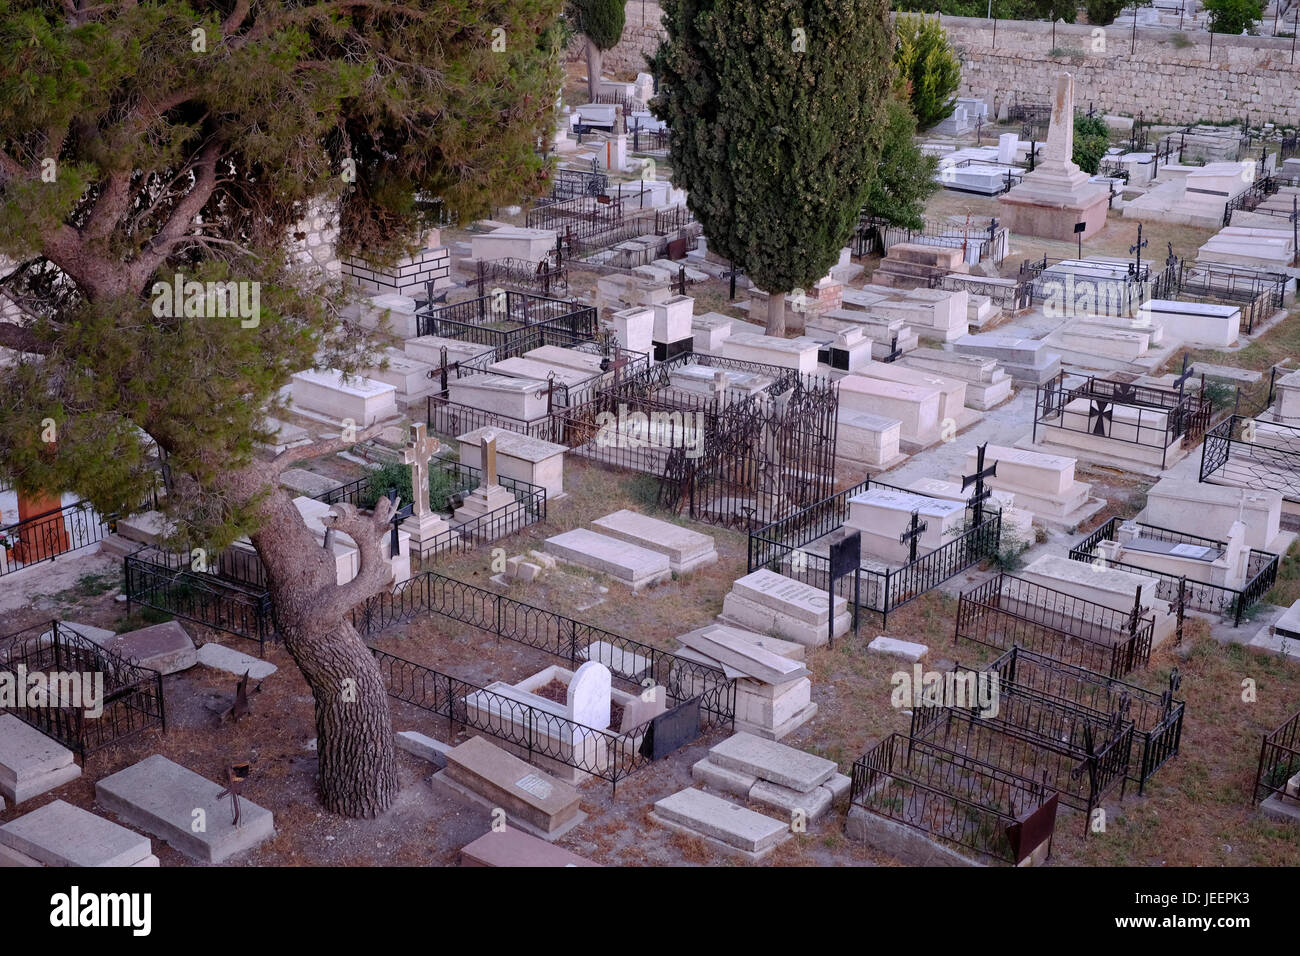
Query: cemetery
pixel 619 485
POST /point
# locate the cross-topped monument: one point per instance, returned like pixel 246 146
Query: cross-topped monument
pixel 909 537
pixel 427 528
pixel 982 492
pixel 417 453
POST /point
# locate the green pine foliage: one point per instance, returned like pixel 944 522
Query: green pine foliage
pixel 928 70
pixel 776 110
pixel 905 175
pixel 151 114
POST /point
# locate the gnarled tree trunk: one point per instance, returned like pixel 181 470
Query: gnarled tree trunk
pixel 357 764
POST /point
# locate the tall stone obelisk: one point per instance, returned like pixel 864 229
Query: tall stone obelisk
pixel 1057 194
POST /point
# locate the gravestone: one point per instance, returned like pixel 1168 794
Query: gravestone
pixel 720 822
pixel 533 801
pixel 162 797
pixel 425 526
pixel 686 549
pixel 332 397
pixel 765 601
pixel 516 848
pixel 60 834
pixel 589 695
pixel 1057 194
pixel 30 762
pixel 631 565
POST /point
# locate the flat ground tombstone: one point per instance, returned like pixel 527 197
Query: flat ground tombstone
pixel 589 695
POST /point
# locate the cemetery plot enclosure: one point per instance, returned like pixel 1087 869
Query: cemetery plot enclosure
pixel 1006 611
pixel 1157 718
pixel 729 458
pixel 132 695
pixel 624 363
pixel 563 637
pixel 588 224
pixel 1082 756
pixel 1249 453
pixel 1258 293
pixel 505 317
pixel 1279 763
pixel 1121 411
pixel 784 546
pixel 947 795
pixel 601 753
pixel 1261 571
pixel 231 595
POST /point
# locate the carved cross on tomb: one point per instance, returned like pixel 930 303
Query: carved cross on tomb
pixel 914 531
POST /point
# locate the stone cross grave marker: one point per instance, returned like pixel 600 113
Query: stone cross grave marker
pixel 910 536
pixel 417 453
pixel 982 492
pixel 589 696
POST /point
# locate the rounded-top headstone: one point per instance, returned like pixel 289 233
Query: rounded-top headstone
pixel 589 696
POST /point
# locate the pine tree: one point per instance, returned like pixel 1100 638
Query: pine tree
pixel 774 108
pixel 601 22
pixel 139 141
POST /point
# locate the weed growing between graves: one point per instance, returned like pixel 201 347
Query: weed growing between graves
pixel 89 585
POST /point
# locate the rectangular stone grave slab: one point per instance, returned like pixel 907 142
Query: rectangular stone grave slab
pixel 686 549
pixel 165 647
pixel 636 567
pixel 724 646
pixel 772 761
pixel 915 407
pixel 766 601
pixel 723 823
pixel 516 848
pixel 869 439
pixel 533 800
pixel 813 803
pixel 160 797
pixel 222 658
pixel 422 746
pixel 30 762
pixel 908 650
pixel 60 834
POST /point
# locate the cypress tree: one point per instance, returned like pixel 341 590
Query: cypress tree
pixel 775 109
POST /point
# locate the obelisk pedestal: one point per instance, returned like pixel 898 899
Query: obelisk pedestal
pixel 1049 201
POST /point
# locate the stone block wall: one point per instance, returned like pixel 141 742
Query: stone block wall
pixel 1168 81
pixel 1168 76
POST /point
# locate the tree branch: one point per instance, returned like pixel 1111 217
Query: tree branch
pixel 326 446
pixel 21 339
pixel 368 533
pixel 182 215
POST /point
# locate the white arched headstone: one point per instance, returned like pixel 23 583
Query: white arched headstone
pixel 589 696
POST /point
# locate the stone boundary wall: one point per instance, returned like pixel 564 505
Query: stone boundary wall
pixel 1167 82
pixel 1250 77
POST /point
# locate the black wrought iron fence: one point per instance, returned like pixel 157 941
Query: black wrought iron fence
pixel 1249 453
pixel 1279 763
pixel 505 316
pixel 1157 717
pixel 1007 611
pixel 949 796
pixel 1234 603
pixel 123 699
pixel 558 635
pixel 168 583
pixel 780 546
pixel 538 734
